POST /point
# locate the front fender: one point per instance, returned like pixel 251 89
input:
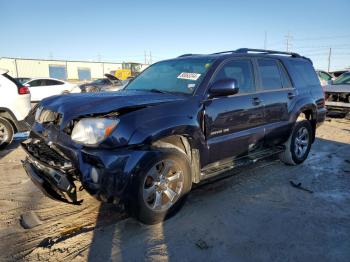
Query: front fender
pixel 167 126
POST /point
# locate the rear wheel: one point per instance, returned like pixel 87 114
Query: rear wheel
pixel 298 145
pixel 6 133
pixel 161 186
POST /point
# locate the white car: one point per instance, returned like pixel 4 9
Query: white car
pixel 41 88
pixel 14 107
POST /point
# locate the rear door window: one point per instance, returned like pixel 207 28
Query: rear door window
pixel 269 74
pixel 241 71
pixel 50 82
pixel 35 83
pixel 304 73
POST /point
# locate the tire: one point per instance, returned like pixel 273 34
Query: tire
pixel 143 206
pixel 6 133
pixel 291 155
pixel 347 116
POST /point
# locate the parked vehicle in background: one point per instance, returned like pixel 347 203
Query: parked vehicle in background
pixel 22 80
pixel 324 77
pixel 181 121
pixel 338 95
pixel 107 84
pixel 41 88
pixel 14 107
pixel 338 73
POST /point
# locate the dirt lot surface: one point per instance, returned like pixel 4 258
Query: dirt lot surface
pixel 253 215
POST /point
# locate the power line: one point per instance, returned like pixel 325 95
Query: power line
pixel 321 37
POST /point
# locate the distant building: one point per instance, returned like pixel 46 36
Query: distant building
pixel 61 69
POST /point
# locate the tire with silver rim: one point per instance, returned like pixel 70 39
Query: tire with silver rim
pixel 299 144
pixel 162 184
pixel 6 133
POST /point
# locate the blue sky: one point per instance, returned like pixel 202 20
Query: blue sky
pixel 123 30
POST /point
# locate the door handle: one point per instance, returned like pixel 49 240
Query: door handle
pixel 257 101
pixel 291 95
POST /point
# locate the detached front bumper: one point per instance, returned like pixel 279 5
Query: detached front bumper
pixel 105 174
pixel 51 182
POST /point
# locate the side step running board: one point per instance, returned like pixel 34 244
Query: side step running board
pixel 225 165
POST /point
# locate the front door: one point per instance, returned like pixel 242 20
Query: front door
pixel 234 124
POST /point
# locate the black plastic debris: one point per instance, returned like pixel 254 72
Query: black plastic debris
pixel 298 185
pixel 29 220
pixel 202 244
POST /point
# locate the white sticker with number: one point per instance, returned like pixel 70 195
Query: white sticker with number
pixel 189 76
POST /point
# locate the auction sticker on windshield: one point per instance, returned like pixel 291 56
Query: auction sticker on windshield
pixel 189 76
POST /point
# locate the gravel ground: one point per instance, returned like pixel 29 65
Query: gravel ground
pixel 253 215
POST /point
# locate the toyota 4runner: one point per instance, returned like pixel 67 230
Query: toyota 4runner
pixel 180 122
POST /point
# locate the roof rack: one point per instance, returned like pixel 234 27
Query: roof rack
pixel 262 51
pixel 185 55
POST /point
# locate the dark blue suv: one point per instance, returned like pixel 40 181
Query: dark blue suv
pixel 180 122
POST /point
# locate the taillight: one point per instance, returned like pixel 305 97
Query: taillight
pixel 23 90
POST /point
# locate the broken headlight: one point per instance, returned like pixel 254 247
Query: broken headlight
pixel 91 131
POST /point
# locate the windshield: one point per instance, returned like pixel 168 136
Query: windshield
pixel 343 79
pixel 174 76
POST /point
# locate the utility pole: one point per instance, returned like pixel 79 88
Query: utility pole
pixel 265 41
pixel 145 57
pixel 150 57
pixel 329 58
pixel 288 42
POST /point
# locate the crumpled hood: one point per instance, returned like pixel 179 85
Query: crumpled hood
pixel 75 105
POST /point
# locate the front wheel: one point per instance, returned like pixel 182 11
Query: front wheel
pixel 161 186
pixel 298 146
pixel 6 133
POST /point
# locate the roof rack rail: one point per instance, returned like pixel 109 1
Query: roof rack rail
pixel 185 55
pixel 246 50
pixel 263 51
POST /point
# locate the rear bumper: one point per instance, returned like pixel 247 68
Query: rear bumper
pixel 338 107
pixel 321 116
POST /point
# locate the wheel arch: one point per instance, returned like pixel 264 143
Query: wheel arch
pixel 307 111
pixel 9 116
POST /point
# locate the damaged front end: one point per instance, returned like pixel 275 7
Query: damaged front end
pixel 50 171
pixel 61 170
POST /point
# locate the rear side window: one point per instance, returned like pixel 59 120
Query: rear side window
pixel 50 82
pixel 12 80
pixel 269 74
pixel 35 83
pixel 304 73
pixel 241 71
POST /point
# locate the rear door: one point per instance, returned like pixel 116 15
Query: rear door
pixel 234 124
pixel 56 87
pixel 277 94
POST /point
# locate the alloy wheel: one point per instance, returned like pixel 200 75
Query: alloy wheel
pixel 163 185
pixel 4 135
pixel 301 142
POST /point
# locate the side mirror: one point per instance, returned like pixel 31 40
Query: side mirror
pixel 225 87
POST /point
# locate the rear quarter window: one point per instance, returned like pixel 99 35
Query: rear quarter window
pixel 12 80
pixel 303 73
